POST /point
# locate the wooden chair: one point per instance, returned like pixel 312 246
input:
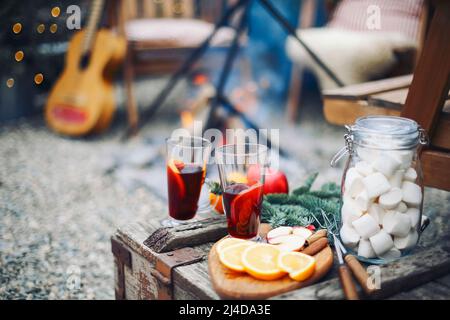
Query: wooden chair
pixel 406 59
pixel 427 96
pixel 150 52
pixel 423 96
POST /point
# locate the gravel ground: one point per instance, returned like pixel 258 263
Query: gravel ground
pixel 59 205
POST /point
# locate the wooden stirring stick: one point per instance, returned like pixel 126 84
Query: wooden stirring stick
pixel 348 286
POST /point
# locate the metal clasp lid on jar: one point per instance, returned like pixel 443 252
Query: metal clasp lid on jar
pixel 381 132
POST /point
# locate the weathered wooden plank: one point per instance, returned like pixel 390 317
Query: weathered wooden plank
pixel 398 276
pixel 361 90
pixel 193 281
pixel 206 230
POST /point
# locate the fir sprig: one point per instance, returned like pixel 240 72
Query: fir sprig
pixel 303 206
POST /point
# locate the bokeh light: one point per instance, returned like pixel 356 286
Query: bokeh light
pixel 40 28
pixel 38 78
pixel 17 27
pixel 10 82
pixel 19 55
pixel 53 28
pixel 55 12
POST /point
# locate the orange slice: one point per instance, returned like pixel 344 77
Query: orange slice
pixel 227 242
pixel 246 203
pixel 261 262
pixel 175 165
pixel 176 183
pixel 300 266
pixel 231 256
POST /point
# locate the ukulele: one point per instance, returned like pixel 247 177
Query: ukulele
pixel 82 100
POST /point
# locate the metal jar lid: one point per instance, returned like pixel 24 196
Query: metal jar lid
pixel 382 132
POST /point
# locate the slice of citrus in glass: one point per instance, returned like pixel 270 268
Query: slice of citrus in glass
pixel 246 203
pixel 176 183
pixel 260 261
pixel 227 242
pixel 231 257
pixel 300 266
pixel 176 165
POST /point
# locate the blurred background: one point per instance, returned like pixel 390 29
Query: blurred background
pixel 62 194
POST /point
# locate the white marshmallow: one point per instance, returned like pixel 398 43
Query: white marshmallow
pixel 349 236
pixel 390 255
pixel 410 175
pixel 414 215
pixel 365 249
pixel 377 212
pixel 386 164
pixel 362 200
pixel 407 242
pixel 401 207
pixel 412 194
pixel 396 223
pixel 364 168
pixel 391 199
pixel 350 211
pixel 397 178
pixel 366 226
pixel 381 242
pixel 353 183
pixel 404 157
pixel 376 184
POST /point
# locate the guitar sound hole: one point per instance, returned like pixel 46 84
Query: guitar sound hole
pixel 84 61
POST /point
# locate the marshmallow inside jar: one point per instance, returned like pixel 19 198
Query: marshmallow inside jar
pixel 382 190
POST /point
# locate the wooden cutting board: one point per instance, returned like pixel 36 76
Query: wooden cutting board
pixel 234 285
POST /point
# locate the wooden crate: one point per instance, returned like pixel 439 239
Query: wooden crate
pixel 171 264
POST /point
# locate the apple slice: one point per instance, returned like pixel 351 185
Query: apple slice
pixel 291 243
pixel 278 232
pixel 302 232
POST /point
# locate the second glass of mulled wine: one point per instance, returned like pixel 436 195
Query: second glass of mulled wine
pixel 241 170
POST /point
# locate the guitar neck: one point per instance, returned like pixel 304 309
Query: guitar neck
pixel 91 28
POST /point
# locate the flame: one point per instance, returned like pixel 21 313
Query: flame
pixel 187 119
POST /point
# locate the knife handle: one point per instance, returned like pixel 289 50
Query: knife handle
pixel 347 283
pixel 359 272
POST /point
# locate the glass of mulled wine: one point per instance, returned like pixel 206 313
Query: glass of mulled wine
pixel 242 189
pixel 187 157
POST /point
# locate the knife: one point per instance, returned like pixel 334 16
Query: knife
pixel 348 286
pixel 359 272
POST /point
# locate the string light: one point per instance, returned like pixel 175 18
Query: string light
pixel 19 55
pixel 17 27
pixel 40 28
pixel 38 78
pixel 55 12
pixel 53 28
pixel 10 82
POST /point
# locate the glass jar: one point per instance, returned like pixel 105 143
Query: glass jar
pixel 382 188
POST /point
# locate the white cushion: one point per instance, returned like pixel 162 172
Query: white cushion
pixel 167 32
pixel 354 56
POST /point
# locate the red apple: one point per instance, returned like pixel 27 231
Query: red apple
pixel 275 180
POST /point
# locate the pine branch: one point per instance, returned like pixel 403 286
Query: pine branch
pixel 303 207
pixel 307 186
